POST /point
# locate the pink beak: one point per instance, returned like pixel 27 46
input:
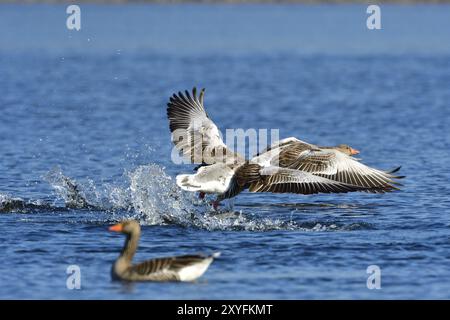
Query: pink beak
pixel 354 151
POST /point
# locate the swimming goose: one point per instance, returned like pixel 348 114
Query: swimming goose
pixel 288 166
pixel 179 268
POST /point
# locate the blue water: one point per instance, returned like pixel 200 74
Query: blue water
pixel 91 106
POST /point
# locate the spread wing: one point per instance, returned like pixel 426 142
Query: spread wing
pixel 328 163
pixel 285 180
pixel 289 147
pixel 194 134
pixel 335 165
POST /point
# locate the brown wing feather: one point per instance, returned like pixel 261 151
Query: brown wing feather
pixel 194 133
pixel 336 166
pixel 163 269
pixel 244 175
pixel 284 180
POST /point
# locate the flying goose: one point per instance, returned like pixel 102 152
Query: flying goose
pixel 334 163
pixel 288 166
pixel 179 268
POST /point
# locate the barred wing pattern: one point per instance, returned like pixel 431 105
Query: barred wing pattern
pixel 334 165
pixel 285 180
pixel 164 269
pixel 194 133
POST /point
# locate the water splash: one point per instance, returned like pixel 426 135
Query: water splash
pixel 155 196
pixel 69 190
pixel 150 195
pixel 10 204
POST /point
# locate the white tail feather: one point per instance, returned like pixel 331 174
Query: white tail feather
pixel 184 181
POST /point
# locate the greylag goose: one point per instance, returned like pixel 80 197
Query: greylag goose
pixel 288 166
pixel 334 163
pixel 178 268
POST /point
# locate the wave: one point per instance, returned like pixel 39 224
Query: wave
pixel 19 205
pixel 151 196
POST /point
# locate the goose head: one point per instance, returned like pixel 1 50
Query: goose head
pixel 127 227
pixel 345 148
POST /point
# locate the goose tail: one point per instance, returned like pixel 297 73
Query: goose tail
pixel 184 181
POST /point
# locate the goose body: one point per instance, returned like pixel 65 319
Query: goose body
pixel 288 166
pixel 178 268
pixel 215 178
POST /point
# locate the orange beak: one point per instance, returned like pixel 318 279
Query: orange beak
pixel 354 151
pixel 116 228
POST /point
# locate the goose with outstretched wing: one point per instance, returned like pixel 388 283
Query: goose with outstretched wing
pixel 288 166
pixel 333 163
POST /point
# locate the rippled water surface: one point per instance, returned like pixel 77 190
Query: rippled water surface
pixel 90 107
